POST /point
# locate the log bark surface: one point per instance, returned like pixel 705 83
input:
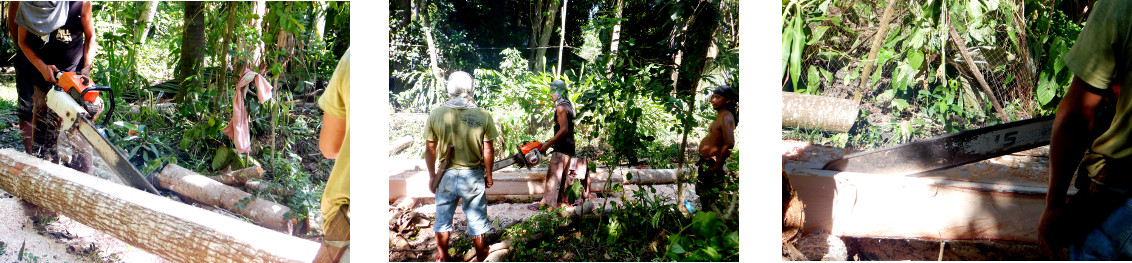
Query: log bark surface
pixel 818 112
pixel 239 177
pixel 171 230
pixel 202 189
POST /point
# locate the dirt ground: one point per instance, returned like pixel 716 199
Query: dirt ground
pixel 58 240
pixel 411 237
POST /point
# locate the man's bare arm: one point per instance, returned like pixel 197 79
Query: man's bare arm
pixel 89 45
pixel 331 135
pixel 1072 129
pixel 430 158
pixel 488 162
pixel 13 29
pixel 48 71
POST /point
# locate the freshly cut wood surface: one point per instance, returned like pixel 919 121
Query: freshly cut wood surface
pixel 171 230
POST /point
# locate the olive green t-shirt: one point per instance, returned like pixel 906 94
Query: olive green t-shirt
pixel 336 102
pixel 1101 57
pixel 465 129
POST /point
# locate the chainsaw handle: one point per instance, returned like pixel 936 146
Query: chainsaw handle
pixel 105 120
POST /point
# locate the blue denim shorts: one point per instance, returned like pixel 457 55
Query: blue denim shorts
pixel 1110 240
pixel 467 185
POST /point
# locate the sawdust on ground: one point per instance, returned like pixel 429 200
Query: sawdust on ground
pixel 63 240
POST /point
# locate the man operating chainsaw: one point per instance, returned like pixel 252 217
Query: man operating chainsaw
pixel 1093 224
pixel 56 36
pixel 466 133
pixel 563 164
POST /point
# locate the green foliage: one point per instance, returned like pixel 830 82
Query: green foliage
pixel 1051 35
pixel 705 239
pixel 921 86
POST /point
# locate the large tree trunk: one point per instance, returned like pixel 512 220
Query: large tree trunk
pixel 202 189
pixel 148 10
pixel 614 40
pixel 192 48
pixel 541 28
pixel 561 40
pixel 319 19
pixel 172 230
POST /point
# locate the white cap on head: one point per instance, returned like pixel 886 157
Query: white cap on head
pixel 461 88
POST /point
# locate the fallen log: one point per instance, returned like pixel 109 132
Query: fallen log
pixel 259 186
pixel 171 230
pixel 238 177
pixel 198 187
pixel 818 112
pixel 400 144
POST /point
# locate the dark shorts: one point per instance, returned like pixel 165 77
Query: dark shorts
pixel 708 183
pixel 25 85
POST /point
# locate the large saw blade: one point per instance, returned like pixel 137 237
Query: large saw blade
pixel 115 157
pixel 949 150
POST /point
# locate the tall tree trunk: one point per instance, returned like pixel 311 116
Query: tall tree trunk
pixel 149 9
pixel 319 19
pixel 542 26
pixel 614 40
pixel 692 57
pixel 420 15
pixel 192 48
pixel 561 40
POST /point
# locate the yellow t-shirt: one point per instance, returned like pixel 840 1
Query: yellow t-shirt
pixel 465 129
pixel 336 102
pixel 1100 57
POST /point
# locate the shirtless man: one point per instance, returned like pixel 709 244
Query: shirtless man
pixel 716 147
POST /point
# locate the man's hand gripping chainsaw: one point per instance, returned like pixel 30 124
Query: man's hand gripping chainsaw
pixel 75 96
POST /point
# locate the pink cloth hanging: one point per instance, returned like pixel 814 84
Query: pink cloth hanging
pixel 237 129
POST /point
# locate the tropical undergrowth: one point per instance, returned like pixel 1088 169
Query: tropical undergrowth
pixel 283 130
pixel 922 85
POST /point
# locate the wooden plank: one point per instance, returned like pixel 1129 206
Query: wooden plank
pixel 171 230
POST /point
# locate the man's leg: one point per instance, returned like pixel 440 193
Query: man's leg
pixel 1112 240
pixel 46 128
pixel 446 200
pixel 27 130
pixel 567 179
pixel 25 88
pixel 81 153
pixel 553 181
pixel 705 182
pixel 336 238
pixel 442 247
pixel 475 208
pixel 481 247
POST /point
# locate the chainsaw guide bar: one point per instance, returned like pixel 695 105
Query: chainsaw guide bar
pixel 949 150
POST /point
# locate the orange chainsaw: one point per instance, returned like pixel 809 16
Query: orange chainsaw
pixel 72 98
pixel 528 156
